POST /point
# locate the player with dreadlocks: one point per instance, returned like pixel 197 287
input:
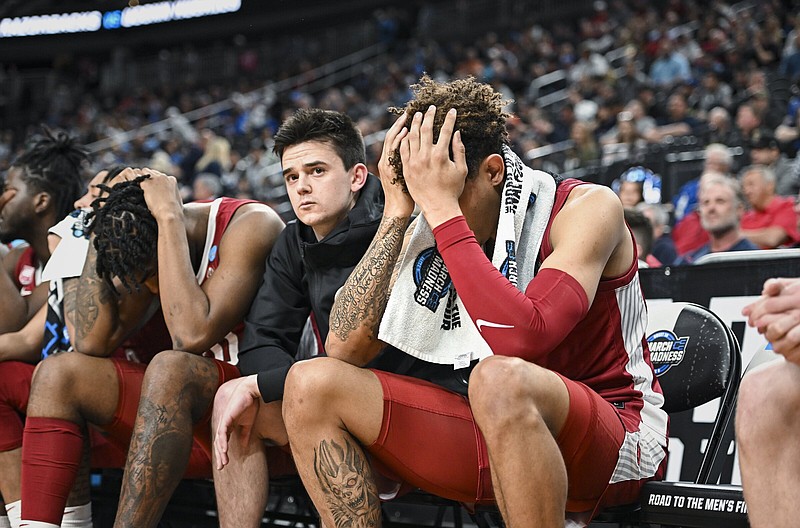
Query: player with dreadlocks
pixel 126 235
pixel 201 263
pixel 21 350
pixel 38 190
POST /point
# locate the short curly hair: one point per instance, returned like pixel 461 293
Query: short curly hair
pixel 125 234
pixel 481 119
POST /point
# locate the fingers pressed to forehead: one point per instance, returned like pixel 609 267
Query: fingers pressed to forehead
pixel 447 127
pixel 395 133
pixel 426 129
pixel 414 132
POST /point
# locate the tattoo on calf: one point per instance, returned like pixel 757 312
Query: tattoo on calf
pixel 366 292
pixel 346 481
pixel 162 441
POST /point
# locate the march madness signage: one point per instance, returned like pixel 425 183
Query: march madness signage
pixel 725 288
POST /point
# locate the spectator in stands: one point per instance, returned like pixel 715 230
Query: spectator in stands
pixel 633 112
pixel 712 93
pixel 790 63
pixel 770 221
pixel 632 78
pixel 719 126
pixel 748 124
pixel 678 121
pixel 527 401
pixel 585 152
pixel 216 158
pixel 670 67
pixel 623 141
pixel 687 234
pixel 322 154
pixel 39 189
pixel 788 132
pixel 663 247
pixel 768 97
pixel 721 208
pixel 767 409
pixel 766 151
pixel 590 64
pixel 166 158
pixel 206 186
pixel 205 285
pixel 643 236
pixel 630 192
pixel 636 185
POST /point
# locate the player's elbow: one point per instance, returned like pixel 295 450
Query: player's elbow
pixel 349 352
pixel 91 346
pixel 191 342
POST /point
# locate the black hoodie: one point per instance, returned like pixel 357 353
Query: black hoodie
pixel 301 278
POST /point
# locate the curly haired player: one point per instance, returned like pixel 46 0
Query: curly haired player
pixel 534 276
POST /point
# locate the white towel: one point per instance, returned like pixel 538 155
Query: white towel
pixel 424 316
pixel 70 254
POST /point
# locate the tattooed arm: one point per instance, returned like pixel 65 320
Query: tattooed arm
pixel 359 306
pixel 104 318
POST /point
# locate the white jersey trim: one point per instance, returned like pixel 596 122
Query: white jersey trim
pixel 211 232
pixel 642 451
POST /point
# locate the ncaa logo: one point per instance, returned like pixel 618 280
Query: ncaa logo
pixel 431 278
pixel 666 350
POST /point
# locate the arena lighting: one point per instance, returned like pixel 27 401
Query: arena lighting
pixel 51 24
pixel 140 15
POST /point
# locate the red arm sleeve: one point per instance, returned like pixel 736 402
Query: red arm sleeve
pixel 527 325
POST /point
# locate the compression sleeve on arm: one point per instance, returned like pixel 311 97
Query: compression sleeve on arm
pixel 527 325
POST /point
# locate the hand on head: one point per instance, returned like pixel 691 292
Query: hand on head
pixel 434 180
pixel 398 200
pixel 161 192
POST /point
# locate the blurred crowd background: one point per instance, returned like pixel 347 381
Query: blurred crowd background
pixel 594 88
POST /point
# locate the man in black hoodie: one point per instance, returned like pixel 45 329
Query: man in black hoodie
pixel 338 207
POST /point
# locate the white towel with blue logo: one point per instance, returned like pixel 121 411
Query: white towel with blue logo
pixel 424 316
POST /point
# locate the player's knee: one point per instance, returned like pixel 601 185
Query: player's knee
pixel 59 375
pixel 310 385
pixel 171 369
pixel 762 391
pixel 501 390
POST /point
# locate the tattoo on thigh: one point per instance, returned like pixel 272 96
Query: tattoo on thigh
pixel 346 481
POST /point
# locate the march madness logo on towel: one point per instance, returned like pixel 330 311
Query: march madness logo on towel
pixel 431 278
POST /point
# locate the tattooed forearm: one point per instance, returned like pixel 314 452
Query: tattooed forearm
pixel 91 293
pixel 363 297
pixel 346 481
pixel 70 298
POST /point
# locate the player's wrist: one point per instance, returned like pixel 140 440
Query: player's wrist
pixel 438 215
pixel 167 215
